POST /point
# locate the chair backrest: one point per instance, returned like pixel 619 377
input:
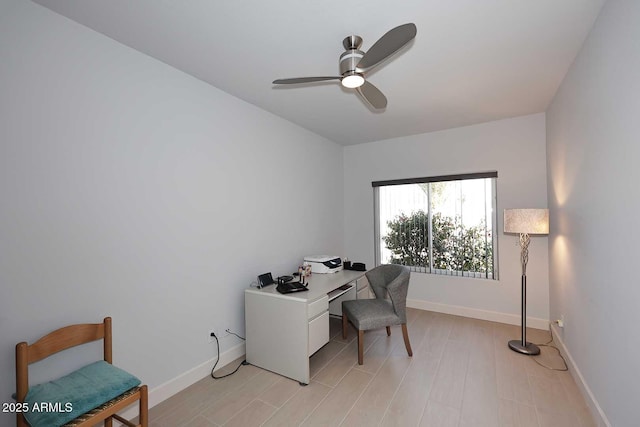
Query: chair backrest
pixel 391 279
pixel 56 341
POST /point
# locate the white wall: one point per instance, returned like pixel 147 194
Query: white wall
pixel 513 147
pixel 133 190
pixel 593 135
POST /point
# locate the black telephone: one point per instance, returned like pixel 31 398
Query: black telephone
pixel 287 288
pixel 284 279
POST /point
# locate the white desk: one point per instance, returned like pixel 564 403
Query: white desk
pixel 283 330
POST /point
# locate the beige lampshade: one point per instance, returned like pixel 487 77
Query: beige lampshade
pixel 526 221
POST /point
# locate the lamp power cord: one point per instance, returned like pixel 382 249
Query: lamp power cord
pixel 548 344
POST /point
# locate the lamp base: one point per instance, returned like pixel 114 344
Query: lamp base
pixel 529 349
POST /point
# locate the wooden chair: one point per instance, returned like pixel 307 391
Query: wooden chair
pixel 63 339
pixel 365 314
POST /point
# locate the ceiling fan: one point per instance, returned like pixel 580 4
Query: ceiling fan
pixel 354 63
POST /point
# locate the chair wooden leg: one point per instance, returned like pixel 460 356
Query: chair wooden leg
pixel 345 325
pixel 108 422
pixel 360 347
pixel 405 335
pixel 144 406
pixel 388 331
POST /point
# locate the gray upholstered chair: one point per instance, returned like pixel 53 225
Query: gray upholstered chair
pixel 367 314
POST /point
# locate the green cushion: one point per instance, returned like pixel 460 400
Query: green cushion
pixel 72 395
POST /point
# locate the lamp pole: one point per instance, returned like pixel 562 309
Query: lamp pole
pixel 522 346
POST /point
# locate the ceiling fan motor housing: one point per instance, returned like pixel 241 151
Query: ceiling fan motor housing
pixel 352 56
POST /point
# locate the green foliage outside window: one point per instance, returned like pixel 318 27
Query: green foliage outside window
pixel 455 247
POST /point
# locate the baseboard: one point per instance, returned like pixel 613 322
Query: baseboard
pixel 182 381
pixel 596 411
pixel 475 313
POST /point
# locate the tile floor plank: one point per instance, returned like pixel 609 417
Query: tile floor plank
pixel 337 404
pixel 372 404
pixel 224 409
pixel 299 406
pixel 253 415
pixel 448 386
pixel 515 414
pixel 439 415
pixel 407 405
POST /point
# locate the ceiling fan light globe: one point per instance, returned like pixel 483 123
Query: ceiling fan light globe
pixel 352 81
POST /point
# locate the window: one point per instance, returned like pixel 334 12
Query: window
pixel 440 225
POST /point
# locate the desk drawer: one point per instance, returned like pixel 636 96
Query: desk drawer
pixel 318 332
pixel 317 307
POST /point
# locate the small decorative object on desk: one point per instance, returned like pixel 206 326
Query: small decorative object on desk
pixel 346 264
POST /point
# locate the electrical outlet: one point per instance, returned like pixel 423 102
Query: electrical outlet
pixel 563 321
pixel 216 331
pixel 220 333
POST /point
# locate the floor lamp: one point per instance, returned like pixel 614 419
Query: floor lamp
pixel 525 222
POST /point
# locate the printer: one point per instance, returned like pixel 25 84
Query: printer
pixel 324 263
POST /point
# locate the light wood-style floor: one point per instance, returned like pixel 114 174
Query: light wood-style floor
pixel 461 374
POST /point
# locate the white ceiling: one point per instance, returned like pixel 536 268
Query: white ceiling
pixel 472 61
